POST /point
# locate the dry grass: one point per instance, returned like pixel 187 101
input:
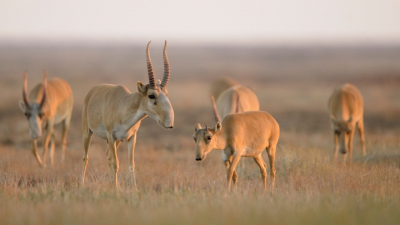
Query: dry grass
pixel 173 187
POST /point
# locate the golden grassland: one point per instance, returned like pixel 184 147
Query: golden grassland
pixel 292 84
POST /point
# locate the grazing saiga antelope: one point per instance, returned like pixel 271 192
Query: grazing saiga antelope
pixel 49 103
pixel 346 110
pixel 239 135
pixel 220 85
pixel 113 113
pixel 236 99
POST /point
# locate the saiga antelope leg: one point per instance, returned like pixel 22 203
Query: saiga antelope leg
pixel 351 145
pixel 114 159
pixel 131 156
pixel 109 155
pixel 87 136
pixel 336 147
pixel 231 169
pixel 263 169
pixel 49 132
pixel 234 176
pixel 65 128
pixel 35 152
pixel 360 126
pixel 52 144
pixel 271 156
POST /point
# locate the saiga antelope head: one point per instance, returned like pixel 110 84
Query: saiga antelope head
pixel 34 111
pixel 155 102
pixel 205 137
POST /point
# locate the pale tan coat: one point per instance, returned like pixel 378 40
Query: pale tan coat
pixel 113 113
pixel 346 110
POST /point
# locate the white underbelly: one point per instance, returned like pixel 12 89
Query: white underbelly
pixel 100 131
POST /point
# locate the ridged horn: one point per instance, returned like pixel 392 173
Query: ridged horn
pixel 25 91
pixel 152 79
pixel 44 84
pixel 216 116
pixel 166 68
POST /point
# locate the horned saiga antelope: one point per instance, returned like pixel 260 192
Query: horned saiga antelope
pixel 346 110
pixel 239 135
pixel 113 113
pixel 49 103
pixel 236 99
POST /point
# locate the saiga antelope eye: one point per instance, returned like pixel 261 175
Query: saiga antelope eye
pixel 209 138
pixel 152 97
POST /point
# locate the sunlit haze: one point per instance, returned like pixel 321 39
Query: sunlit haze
pixel 246 22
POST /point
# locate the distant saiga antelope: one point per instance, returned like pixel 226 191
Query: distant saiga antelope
pixel 113 113
pixel 346 110
pixel 49 103
pixel 239 135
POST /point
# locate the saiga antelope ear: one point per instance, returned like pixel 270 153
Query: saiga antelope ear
pixel 197 127
pixel 142 88
pixel 22 106
pixel 217 127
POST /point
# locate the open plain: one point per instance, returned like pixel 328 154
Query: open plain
pixel 293 84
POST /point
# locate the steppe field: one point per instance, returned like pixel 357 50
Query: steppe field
pixel 293 84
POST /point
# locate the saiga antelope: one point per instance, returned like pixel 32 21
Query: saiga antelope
pixel 346 110
pixel 236 99
pixel 239 135
pixel 49 103
pixel 113 113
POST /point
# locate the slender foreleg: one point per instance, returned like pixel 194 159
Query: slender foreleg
pixel 87 136
pixel 49 132
pixel 227 162
pixel 131 156
pixel 36 153
pixel 231 169
pixel 65 128
pixel 52 144
pixel 351 145
pixel 360 126
pixel 114 159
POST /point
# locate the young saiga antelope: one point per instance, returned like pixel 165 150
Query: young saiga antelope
pixel 113 113
pixel 239 135
pixel 236 99
pixel 346 110
pixel 49 103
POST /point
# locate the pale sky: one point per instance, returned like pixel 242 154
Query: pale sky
pixel 226 21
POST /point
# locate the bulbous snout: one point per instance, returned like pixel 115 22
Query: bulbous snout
pixel 168 121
